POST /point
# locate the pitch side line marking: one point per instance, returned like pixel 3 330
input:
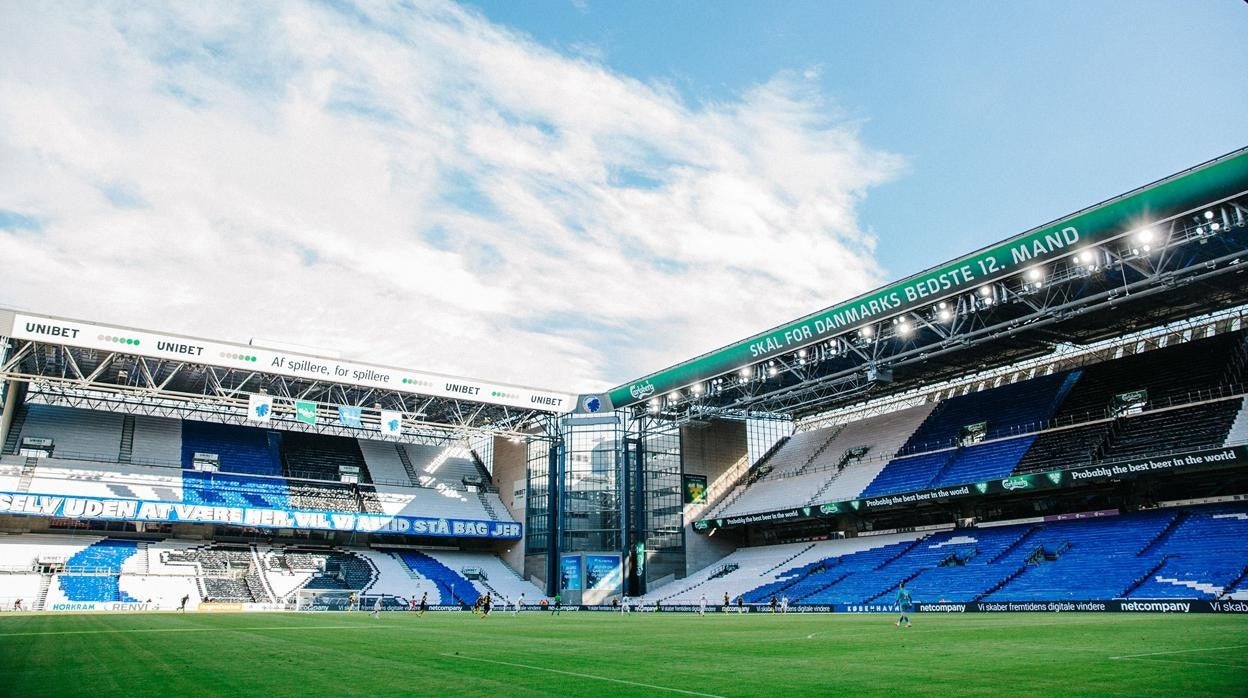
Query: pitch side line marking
pixel 190 630
pixel 1202 649
pixel 580 675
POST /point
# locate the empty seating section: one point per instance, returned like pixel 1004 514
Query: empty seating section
pixel 1188 553
pixel 1095 559
pixel 245 450
pixel 1199 426
pixel 451 586
pixel 384 464
pixel 104 569
pixel 1064 447
pixel 226 572
pixel 157 441
pixel 908 473
pixel 225 489
pixel 749 569
pixel 242 451
pixel 1006 410
pixel 447 465
pixel 116 480
pixel 1239 429
pixel 93 573
pixel 1180 368
pixel 319 457
pixel 505 583
pixel 798 451
pixel 986 461
pixel 421 501
pixel 1200 556
pixel 823 454
pixel 77 434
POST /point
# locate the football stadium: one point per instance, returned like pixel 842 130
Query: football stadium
pixel 1029 461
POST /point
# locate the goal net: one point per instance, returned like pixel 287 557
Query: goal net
pixel 329 600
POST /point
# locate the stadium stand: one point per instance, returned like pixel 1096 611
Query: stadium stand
pixel 816 465
pixel 452 588
pixel 1239 428
pixel 748 570
pixel 495 576
pixel 1189 552
pixel 242 451
pixel 317 460
pixel 98 479
pixel 76 434
pixel 94 573
pixel 156 441
pixel 1028 426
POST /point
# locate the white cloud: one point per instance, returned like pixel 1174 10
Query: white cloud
pixel 412 186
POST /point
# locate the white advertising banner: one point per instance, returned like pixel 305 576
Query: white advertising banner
pixel 241 356
pixel 391 423
pixel 260 408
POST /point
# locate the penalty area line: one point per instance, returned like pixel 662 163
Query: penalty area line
pixel 580 675
pixel 190 630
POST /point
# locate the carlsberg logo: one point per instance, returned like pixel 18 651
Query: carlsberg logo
pixel 1016 483
pixel 641 391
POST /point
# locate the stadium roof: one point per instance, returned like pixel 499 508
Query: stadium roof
pixel 1165 251
pixel 110 366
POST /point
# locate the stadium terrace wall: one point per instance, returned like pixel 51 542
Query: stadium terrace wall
pixel 106 338
pixel 1054 479
pixel 1212 181
pixel 106 509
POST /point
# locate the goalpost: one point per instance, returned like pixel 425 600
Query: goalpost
pixel 330 600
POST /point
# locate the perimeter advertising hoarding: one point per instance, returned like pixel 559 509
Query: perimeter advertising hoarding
pixel 1212 181
pixel 1194 460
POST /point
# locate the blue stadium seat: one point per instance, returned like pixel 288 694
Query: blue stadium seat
pixel 103 561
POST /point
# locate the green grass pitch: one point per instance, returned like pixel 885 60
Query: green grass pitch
pixel 597 654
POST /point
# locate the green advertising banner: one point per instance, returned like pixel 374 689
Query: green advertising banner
pixel 1211 181
pixel 1054 479
pixel 695 489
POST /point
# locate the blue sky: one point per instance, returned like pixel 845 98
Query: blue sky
pixel 1008 114
pixel 566 194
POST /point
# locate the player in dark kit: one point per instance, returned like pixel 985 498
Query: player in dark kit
pixel 485 606
pixel 424 604
pixel 903 605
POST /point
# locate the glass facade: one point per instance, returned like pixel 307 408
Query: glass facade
pixel 592 491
